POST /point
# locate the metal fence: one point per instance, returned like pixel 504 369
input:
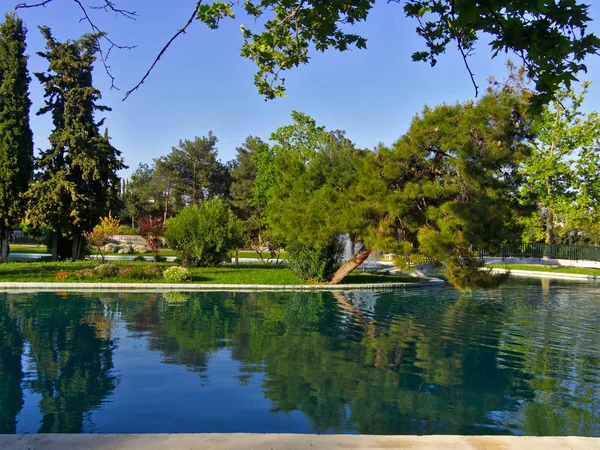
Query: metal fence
pixel 550 251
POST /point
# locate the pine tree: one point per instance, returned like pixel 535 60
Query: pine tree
pixel 16 139
pixel 77 182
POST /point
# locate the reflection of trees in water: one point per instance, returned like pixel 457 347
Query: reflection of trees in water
pixel 71 354
pixel 555 334
pixel 408 362
pixel 379 371
pixel 11 374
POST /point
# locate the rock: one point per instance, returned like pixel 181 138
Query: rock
pixel 112 248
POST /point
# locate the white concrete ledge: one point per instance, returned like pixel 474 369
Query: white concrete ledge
pixel 557 275
pixel 288 442
pixel 189 287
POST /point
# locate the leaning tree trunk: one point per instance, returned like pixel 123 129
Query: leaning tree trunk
pixel 350 265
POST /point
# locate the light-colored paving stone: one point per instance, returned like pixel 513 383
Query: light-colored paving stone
pixel 289 442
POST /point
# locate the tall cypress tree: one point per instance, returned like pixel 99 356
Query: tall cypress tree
pixel 77 180
pixel 16 139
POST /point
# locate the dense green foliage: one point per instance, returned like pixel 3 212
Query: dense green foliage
pixel 16 139
pixel 243 198
pixel 187 175
pixel 550 37
pixel 314 262
pixel 76 183
pixel 446 186
pixel 562 173
pixel 177 274
pixel 203 234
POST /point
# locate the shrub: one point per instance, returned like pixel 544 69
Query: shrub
pixel 177 274
pixel 151 229
pixel 83 274
pixel 107 270
pixel 140 272
pixel 317 263
pixel 203 234
pixel 98 237
pixel 63 275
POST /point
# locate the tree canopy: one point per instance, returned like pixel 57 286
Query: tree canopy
pixel 16 138
pixel 76 182
pixel 445 187
pixel 549 36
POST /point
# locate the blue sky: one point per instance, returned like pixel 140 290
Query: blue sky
pixel 203 84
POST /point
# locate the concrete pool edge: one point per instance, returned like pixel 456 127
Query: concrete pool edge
pixel 154 287
pixel 219 441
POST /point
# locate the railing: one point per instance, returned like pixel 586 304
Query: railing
pixel 550 251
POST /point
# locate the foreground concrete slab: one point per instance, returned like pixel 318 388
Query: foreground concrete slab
pixel 289 442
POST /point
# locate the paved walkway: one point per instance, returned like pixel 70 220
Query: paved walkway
pixel 289 442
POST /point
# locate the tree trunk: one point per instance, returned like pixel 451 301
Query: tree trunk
pixel 55 246
pixel 4 245
pixel 237 260
pixel 356 260
pixel 132 222
pixel 549 227
pixel 76 249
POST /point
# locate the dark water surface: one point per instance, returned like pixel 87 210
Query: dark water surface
pixel 521 359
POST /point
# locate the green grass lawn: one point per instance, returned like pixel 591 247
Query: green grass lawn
pixel 38 271
pixel 28 249
pixel 554 269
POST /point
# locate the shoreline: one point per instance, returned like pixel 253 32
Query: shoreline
pixel 193 287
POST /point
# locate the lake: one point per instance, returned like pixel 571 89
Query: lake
pixel 521 359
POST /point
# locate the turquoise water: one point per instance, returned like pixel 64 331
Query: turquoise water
pixel 520 359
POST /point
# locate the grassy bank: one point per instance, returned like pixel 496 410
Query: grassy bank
pixel 552 269
pixel 36 271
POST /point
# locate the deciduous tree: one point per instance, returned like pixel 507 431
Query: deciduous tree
pixel 561 174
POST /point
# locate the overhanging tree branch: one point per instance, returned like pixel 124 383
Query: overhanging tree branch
pixel 99 35
pixel 164 49
pixel 31 5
